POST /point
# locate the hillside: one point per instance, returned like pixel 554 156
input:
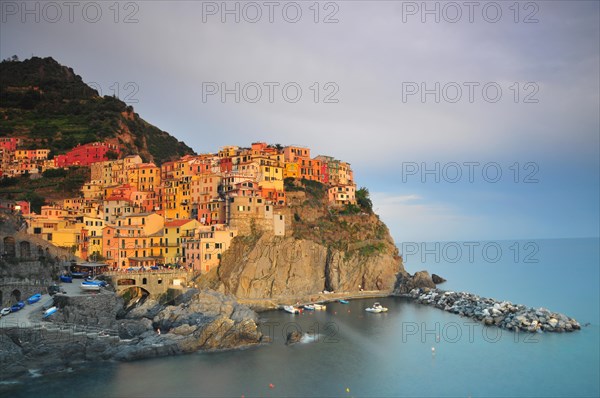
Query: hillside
pixel 51 107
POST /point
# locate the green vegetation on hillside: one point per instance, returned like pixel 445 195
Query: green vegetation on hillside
pixel 352 228
pixel 53 108
pixel 55 184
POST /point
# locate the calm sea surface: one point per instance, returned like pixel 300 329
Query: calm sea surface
pixel 353 353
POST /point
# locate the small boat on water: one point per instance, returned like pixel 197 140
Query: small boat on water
pixel 66 279
pixel 90 287
pixel 376 308
pixel 17 307
pixel 291 309
pixel 5 311
pixel 309 307
pixel 320 307
pixel 344 301
pixel 34 299
pixel 50 311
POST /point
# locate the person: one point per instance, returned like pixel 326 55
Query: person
pixel 158 331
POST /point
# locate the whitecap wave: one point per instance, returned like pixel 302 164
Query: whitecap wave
pixel 310 338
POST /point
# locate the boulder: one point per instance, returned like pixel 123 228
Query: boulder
pixel 131 328
pixel 437 279
pixel 405 282
pixel 293 337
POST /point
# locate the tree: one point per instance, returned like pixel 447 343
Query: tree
pixel 54 173
pixel 35 200
pixel 363 200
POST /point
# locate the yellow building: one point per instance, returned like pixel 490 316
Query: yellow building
pixel 31 154
pixel 68 236
pixel 291 170
pixel 144 176
pixel 270 174
pixel 93 190
pixel 93 226
pixel 175 233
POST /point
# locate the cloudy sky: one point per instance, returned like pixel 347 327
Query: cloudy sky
pixel 466 123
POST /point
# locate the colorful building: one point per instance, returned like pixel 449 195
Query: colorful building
pixel 85 155
pixel 204 250
pixel 341 195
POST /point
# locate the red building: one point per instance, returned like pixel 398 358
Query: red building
pixel 9 143
pixel 84 155
pixel 226 165
pixel 324 173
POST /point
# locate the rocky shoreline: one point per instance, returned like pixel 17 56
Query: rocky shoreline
pixel 92 329
pixel 503 314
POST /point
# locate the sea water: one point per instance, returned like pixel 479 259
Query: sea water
pixel 412 350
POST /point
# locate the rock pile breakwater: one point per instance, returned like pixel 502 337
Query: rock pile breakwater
pixel 503 314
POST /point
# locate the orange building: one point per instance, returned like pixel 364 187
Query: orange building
pixel 341 195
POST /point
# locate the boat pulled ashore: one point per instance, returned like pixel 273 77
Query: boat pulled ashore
pixel 90 281
pixel 50 311
pixel 89 287
pixel 34 299
pixel 291 309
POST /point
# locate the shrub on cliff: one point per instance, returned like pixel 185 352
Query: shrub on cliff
pixel 363 200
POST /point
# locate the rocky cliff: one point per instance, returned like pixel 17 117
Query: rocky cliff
pixel 325 249
pixel 283 267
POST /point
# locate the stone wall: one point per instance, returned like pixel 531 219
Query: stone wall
pixel 155 283
pixel 28 264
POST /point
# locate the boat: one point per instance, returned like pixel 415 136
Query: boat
pixel 344 301
pixel 320 307
pixel 5 311
pixel 66 279
pixel 376 308
pixel 291 309
pixel 17 307
pixel 34 299
pixel 309 307
pixel 95 282
pixel 50 311
pixel 91 287
pixel 79 275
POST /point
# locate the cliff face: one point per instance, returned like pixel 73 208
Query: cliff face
pixel 324 249
pixel 275 267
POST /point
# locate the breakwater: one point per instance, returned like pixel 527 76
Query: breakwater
pixel 503 314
